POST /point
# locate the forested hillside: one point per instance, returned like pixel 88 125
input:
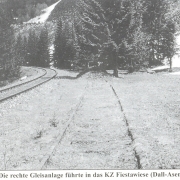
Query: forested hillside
pixel 24 10
pixel 116 34
pixel 9 64
pixel 18 49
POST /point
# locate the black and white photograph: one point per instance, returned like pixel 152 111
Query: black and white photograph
pixel 89 85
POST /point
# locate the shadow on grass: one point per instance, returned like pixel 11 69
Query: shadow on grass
pixel 71 77
pixel 92 70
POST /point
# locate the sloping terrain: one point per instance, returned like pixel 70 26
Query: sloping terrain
pixel 38 23
pixel 44 16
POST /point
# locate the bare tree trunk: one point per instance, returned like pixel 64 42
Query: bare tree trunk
pixel 170 61
pixel 115 66
pixel 152 61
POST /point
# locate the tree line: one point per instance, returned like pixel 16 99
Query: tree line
pixel 20 50
pixel 119 33
pixel 33 50
pixel 9 65
pixel 125 34
pixel 17 50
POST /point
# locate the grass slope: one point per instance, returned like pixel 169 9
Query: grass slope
pixel 151 104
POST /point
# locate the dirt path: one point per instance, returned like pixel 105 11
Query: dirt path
pixel 97 137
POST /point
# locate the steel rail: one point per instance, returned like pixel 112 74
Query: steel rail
pixel 24 87
pixel 17 85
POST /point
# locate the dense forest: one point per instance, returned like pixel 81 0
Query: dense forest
pixel 116 34
pixel 20 50
pixel 9 66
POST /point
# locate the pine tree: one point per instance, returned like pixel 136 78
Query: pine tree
pixel 43 57
pixel 136 42
pixel 19 46
pixel 154 20
pixel 93 25
pixel 59 46
pixel 168 42
pixel 105 26
pixel 32 49
pixel 25 50
pixel 91 30
pixel 8 64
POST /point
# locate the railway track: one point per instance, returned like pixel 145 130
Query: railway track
pixel 94 126
pixel 61 135
pixel 138 160
pixel 90 134
pixel 15 90
pixel 6 88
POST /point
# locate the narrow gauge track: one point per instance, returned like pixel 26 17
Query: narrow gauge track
pixel 61 135
pixel 43 164
pixel 138 160
pixel 26 86
pixel 17 85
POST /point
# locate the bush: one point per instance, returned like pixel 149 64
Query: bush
pixel 130 69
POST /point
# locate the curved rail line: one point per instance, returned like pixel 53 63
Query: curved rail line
pixel 11 87
pixel 26 86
